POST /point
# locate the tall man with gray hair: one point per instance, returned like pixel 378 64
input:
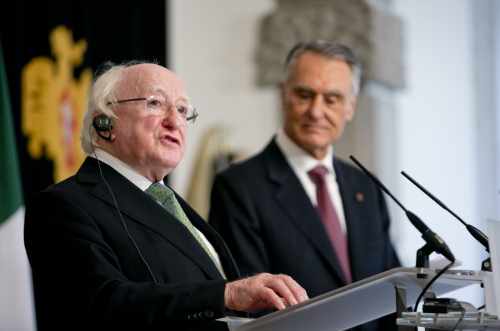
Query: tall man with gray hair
pixel 113 247
pixel 295 208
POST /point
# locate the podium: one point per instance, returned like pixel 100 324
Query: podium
pixel 365 300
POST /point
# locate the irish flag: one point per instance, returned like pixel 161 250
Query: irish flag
pixel 16 303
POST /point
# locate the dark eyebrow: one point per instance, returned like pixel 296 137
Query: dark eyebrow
pixel 303 89
pixel 335 94
pixel 328 94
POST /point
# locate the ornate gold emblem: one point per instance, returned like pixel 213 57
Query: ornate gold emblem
pixel 53 103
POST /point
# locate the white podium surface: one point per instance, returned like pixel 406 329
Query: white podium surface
pixel 360 302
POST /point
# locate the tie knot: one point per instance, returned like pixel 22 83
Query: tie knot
pixel 317 174
pixel 160 192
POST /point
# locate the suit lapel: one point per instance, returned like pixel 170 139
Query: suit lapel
pixel 295 203
pixel 352 201
pixel 227 260
pixel 140 207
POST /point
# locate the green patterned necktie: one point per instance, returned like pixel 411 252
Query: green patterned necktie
pixel 166 198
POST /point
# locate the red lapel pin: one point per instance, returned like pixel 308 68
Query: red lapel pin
pixel 360 197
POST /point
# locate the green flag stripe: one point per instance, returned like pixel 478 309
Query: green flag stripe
pixel 10 181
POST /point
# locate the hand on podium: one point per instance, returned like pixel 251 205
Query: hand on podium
pixel 263 291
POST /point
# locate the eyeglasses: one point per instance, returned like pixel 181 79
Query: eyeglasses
pixel 157 104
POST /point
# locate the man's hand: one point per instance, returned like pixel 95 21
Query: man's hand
pixel 263 291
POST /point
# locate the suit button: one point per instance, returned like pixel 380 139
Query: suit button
pixel 208 314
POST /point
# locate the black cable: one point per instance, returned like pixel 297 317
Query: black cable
pixel 124 224
pixel 442 271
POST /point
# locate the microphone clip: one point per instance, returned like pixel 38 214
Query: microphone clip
pixel 423 256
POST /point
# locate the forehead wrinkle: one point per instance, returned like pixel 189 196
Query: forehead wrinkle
pixel 164 93
pixel 144 80
pixel 129 85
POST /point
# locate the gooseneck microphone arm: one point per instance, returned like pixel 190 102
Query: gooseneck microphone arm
pixel 475 232
pixel 434 243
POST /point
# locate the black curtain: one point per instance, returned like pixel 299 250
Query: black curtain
pixel 114 31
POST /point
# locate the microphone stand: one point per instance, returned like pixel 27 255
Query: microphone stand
pixel 423 256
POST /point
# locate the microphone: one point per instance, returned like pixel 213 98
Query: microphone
pixel 475 232
pixel 434 243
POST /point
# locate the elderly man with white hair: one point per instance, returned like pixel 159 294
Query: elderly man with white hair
pixel 113 246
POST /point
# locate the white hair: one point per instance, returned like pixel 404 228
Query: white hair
pixel 330 50
pixel 101 94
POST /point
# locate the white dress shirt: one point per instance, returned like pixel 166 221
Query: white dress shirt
pixel 302 162
pixel 143 183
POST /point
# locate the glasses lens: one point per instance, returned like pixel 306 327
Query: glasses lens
pixel 185 111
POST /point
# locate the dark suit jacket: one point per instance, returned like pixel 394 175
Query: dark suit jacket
pixel 261 210
pixel 88 274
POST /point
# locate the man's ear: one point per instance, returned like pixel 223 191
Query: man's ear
pixel 351 108
pixel 281 87
pixel 282 92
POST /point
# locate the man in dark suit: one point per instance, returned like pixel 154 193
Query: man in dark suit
pixel 296 209
pixel 113 247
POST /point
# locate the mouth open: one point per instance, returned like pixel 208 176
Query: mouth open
pixel 170 139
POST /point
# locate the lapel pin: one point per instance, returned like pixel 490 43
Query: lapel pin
pixel 360 197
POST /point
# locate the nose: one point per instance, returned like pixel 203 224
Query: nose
pixel 316 106
pixel 171 118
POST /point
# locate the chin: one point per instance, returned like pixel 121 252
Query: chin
pixel 316 142
pixel 169 162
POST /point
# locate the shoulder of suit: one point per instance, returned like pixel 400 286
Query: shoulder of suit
pixel 246 168
pixel 349 169
pixel 242 170
pixel 72 188
pixel 354 175
pixel 345 165
pixel 66 190
pixel 61 186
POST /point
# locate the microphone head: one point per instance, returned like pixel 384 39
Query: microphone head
pixel 430 237
pixel 432 240
pixel 475 232
pixel 479 236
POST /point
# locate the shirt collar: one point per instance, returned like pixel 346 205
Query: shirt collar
pixel 124 169
pixel 299 159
